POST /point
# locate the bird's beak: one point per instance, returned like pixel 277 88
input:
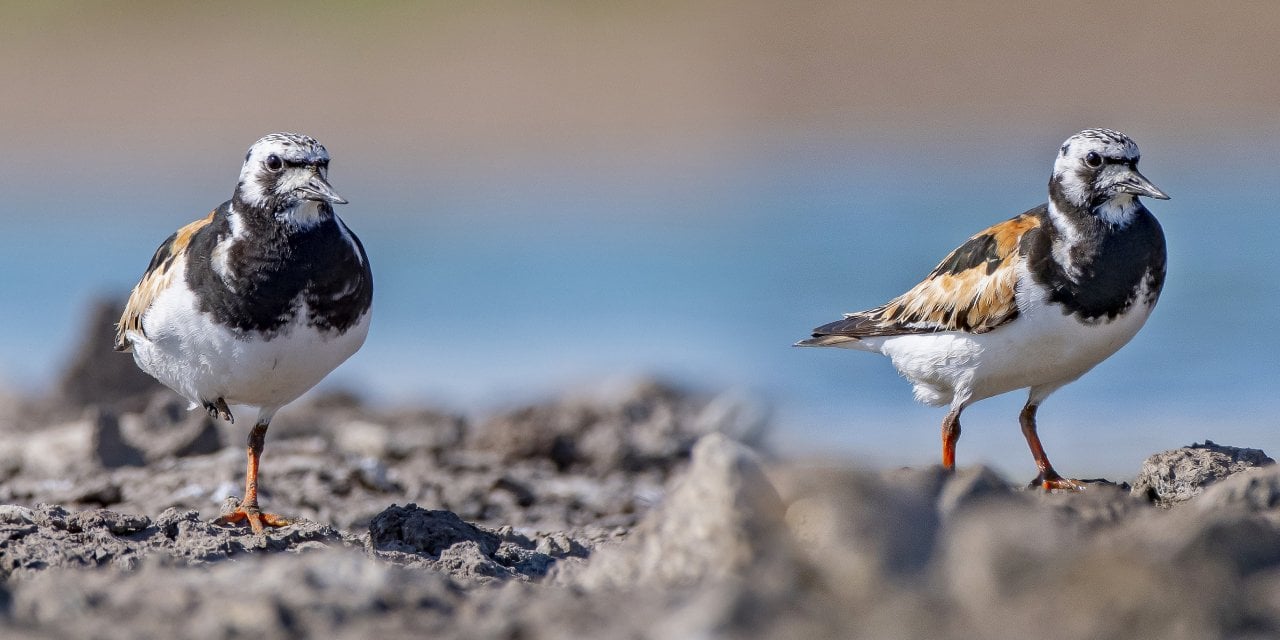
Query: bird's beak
pixel 1133 182
pixel 319 189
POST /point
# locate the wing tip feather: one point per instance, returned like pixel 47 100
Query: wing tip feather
pixel 825 340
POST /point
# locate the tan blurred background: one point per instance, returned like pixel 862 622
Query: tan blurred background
pixel 460 85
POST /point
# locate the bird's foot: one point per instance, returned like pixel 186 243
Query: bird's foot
pixel 219 409
pixel 234 512
pixel 1051 481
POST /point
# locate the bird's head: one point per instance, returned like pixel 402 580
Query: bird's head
pixel 286 175
pixel 1097 172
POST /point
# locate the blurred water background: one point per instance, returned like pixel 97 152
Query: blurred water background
pixel 559 194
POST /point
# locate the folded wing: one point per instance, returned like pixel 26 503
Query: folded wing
pixel 971 290
pixel 167 263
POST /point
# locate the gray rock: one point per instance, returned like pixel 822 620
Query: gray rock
pixel 1257 489
pixel 971 486
pixel 411 529
pixel 109 446
pixel 717 519
pixel 398 434
pixel 650 425
pixel 984 564
pixel 98 374
pixel 440 540
pixel 56 450
pixel 1011 567
pixel 1176 476
pixel 167 429
pixel 50 537
pixel 1099 506
pixel 560 545
pixel 14 514
pixel 468 561
pixel 332 593
pixel 364 438
pixel 1241 545
pixel 93 442
pixel 862 530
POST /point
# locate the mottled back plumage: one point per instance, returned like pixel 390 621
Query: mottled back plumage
pixel 971 290
pixel 168 262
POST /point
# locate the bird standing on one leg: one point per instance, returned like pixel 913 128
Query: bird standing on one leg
pixel 258 301
pixel 1031 303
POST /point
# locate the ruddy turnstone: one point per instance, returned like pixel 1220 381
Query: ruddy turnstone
pixel 256 302
pixel 1033 302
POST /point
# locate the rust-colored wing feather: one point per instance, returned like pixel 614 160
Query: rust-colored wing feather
pixel 971 290
pixel 167 263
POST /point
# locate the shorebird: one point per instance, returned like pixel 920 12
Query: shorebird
pixel 256 302
pixel 1033 302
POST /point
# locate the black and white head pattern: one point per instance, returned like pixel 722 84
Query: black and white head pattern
pixel 286 175
pixel 1096 173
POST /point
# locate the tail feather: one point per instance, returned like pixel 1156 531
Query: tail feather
pixel 840 332
pixel 825 340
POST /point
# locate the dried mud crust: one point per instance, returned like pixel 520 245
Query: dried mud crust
pixel 648 512
pixel 734 548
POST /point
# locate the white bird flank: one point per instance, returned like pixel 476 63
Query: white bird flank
pixel 185 348
pixel 1044 348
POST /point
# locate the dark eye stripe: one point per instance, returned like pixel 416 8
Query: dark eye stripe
pixel 1129 162
pixel 299 163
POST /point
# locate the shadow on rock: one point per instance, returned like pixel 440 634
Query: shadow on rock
pixel 97 374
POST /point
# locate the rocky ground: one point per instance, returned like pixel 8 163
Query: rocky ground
pixel 647 513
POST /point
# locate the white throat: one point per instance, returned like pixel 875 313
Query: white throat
pixel 305 214
pixel 1118 211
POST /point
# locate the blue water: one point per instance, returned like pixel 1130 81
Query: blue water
pixel 493 289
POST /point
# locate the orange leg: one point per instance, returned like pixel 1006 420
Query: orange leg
pixel 950 436
pixel 248 507
pixel 1048 478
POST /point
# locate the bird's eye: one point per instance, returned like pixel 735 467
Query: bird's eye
pixel 274 164
pixel 1093 159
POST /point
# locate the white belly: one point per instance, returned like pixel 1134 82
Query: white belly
pixel 203 361
pixel 1041 348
